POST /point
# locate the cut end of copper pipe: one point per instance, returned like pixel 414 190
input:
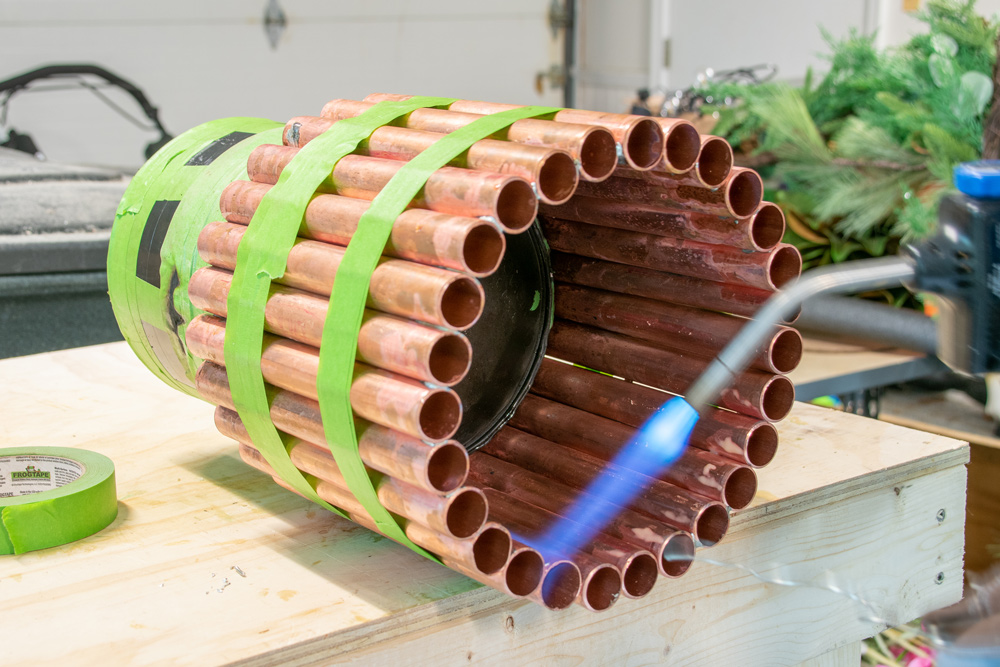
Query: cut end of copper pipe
pixel 466 512
pixel 767 226
pixel 744 191
pixel 784 265
pixel 681 147
pixel 561 584
pixel 447 467
pixel 516 206
pixel 642 147
pixel 557 178
pixel 462 302
pixel 440 416
pixel 450 358
pixel 740 488
pixel 785 352
pixel 777 398
pixel 491 548
pixel 598 155
pixel 677 554
pixel 601 587
pixel 715 160
pixel 712 524
pixel 483 249
pixel 524 571
pixel 639 575
pixel 762 444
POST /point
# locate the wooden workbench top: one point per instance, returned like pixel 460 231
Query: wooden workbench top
pixel 848 503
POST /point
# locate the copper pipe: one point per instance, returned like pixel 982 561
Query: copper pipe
pixel 738 437
pixel 751 393
pixel 704 519
pixel 552 171
pixel 681 145
pixel 510 200
pixel 763 270
pixel 592 147
pixel 703 333
pixel 470 245
pixel 715 161
pixel 643 534
pixel 524 572
pixel 674 222
pixel 767 226
pixel 390 343
pixel 398 287
pixel 460 514
pixel 429 413
pixel 439 468
pixel 560 585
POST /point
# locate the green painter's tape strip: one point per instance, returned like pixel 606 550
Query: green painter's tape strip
pixel 350 290
pixel 53 496
pixel 261 258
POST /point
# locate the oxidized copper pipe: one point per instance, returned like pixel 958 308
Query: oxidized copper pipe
pixel 430 413
pixel 390 343
pixel 704 519
pixel 510 200
pixel 751 392
pixel 729 434
pixel 700 472
pixel 551 171
pixel 703 333
pixel 460 514
pixel 738 196
pixel 592 147
pixel 424 293
pixel 470 245
pixel 763 270
pixel 440 468
pixel 681 145
pixel 644 534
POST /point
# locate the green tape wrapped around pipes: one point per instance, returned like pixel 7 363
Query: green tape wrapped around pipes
pixel 51 496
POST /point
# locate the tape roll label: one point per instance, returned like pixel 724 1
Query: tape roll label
pixel 25 474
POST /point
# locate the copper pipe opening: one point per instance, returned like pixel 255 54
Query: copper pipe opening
pixel 491 549
pixel 762 444
pixel 516 206
pixel 777 399
pixel 786 350
pixel 483 249
pixel 462 303
pixel 598 156
pixel 557 178
pixel 524 572
pixel 466 513
pixel 639 575
pixel 440 416
pixel 683 146
pixel 715 160
pixel 561 585
pixel 740 488
pixel 767 226
pixel 603 587
pixel 677 554
pixel 447 467
pixel 712 524
pixel 744 192
pixel 785 266
pixel 450 358
pixel 643 146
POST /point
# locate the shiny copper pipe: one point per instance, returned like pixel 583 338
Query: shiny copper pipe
pixel 429 413
pixel 751 393
pixel 524 572
pixel 470 245
pixel 552 171
pixel 439 468
pixel 715 161
pixel 705 519
pixel 681 145
pixel 407 289
pixel 767 226
pixel 510 200
pixel 642 533
pixel 720 263
pixel 592 147
pixel 390 343
pixel 737 437
pixel 460 514
pixel 703 333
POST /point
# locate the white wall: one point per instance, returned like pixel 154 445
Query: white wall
pixel 198 60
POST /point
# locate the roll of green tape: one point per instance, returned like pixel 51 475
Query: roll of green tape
pixel 53 495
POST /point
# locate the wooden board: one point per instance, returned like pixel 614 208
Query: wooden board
pixel 848 502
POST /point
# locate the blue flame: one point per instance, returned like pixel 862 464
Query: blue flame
pixel 657 444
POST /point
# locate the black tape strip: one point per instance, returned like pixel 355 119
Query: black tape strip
pixel 208 154
pixel 147 263
pixel 162 344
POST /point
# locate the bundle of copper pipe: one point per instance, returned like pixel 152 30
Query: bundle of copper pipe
pixel 661 249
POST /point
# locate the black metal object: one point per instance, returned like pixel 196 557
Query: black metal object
pixel 852 320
